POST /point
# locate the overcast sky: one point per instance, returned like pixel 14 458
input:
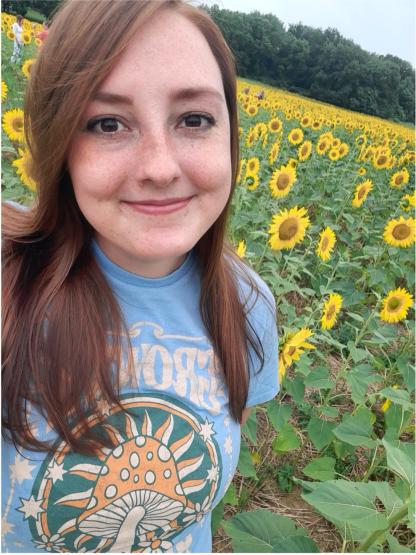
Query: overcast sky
pixel 380 26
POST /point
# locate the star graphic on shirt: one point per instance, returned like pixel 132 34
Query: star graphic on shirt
pixel 21 469
pixel 6 527
pixel 31 507
pixel 56 471
pixel 228 445
pixel 206 430
pixel 212 474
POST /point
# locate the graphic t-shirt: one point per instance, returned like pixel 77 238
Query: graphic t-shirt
pixel 173 449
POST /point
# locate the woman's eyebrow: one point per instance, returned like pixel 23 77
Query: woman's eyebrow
pixel 188 93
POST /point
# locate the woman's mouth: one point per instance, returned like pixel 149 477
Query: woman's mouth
pixel 156 207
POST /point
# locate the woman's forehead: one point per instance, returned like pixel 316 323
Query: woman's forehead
pixel 169 48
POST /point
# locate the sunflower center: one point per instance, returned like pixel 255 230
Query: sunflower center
pixel 304 151
pixel 394 304
pixel 399 179
pixel 17 124
pixel 401 231
pixel 381 160
pixel 324 244
pixel 361 192
pixel 331 311
pixel 275 125
pixel 295 136
pixel 282 181
pixel 288 229
pixel 291 351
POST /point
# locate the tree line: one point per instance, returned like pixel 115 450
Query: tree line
pixel 319 64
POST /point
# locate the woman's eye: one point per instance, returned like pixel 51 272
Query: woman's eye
pixel 105 125
pixel 197 120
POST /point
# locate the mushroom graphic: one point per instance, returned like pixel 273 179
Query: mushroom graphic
pixel 139 489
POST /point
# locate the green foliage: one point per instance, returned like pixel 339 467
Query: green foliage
pixel 284 475
pixel 261 531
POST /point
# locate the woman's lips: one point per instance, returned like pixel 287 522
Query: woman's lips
pixel 159 207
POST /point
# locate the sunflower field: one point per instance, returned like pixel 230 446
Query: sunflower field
pixel 324 211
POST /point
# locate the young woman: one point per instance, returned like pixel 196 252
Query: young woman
pixel 134 341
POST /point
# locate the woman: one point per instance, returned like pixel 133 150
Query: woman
pixel 134 340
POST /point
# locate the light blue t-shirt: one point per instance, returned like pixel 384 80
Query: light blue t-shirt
pixel 174 450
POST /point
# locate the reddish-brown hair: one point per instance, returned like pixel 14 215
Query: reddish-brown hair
pixel 57 306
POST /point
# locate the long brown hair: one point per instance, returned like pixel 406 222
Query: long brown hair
pixel 58 308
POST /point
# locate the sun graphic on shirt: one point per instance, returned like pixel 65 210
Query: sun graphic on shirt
pixel 160 475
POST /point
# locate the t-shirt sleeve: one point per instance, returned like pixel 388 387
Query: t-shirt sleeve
pixel 264 383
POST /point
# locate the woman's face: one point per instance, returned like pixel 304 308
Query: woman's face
pixel 151 165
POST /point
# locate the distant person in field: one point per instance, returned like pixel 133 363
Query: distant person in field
pixel 44 33
pixel 18 42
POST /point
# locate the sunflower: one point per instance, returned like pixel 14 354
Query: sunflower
pixel 10 35
pixel 282 181
pixel 251 137
pixel 274 152
pixel 330 312
pixel 304 151
pixel 306 121
pixel 22 169
pixel 322 146
pixel 252 181
pixel 335 142
pixel 241 166
pixel 362 171
pixel 316 124
pixel 253 165
pixel 13 125
pixel 399 179
pixel 395 305
pixel 409 202
pixel 26 37
pixel 295 136
pixel 292 348
pixel 343 150
pixel 293 163
pixel 252 110
pixel 400 233
pixel 38 42
pixel 4 90
pixel 361 192
pixel 326 243
pixel 333 154
pixel 26 67
pixel 381 160
pixel 241 249
pixel 275 125
pixel 288 228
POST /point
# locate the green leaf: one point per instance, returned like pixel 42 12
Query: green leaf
pixel 399 463
pixel 359 378
pixel 250 427
pixel 395 546
pixel 356 429
pixel 387 496
pixel 321 469
pixel 320 432
pixel 356 317
pixel 245 464
pixel 295 388
pixel 278 413
pixel 357 354
pixel 230 496
pixel 407 370
pixel 286 439
pixel 319 378
pixel 398 396
pixel 411 514
pixel 348 502
pixel 216 517
pixel 326 410
pixel 262 531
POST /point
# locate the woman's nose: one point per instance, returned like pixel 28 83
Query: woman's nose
pixel 157 161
